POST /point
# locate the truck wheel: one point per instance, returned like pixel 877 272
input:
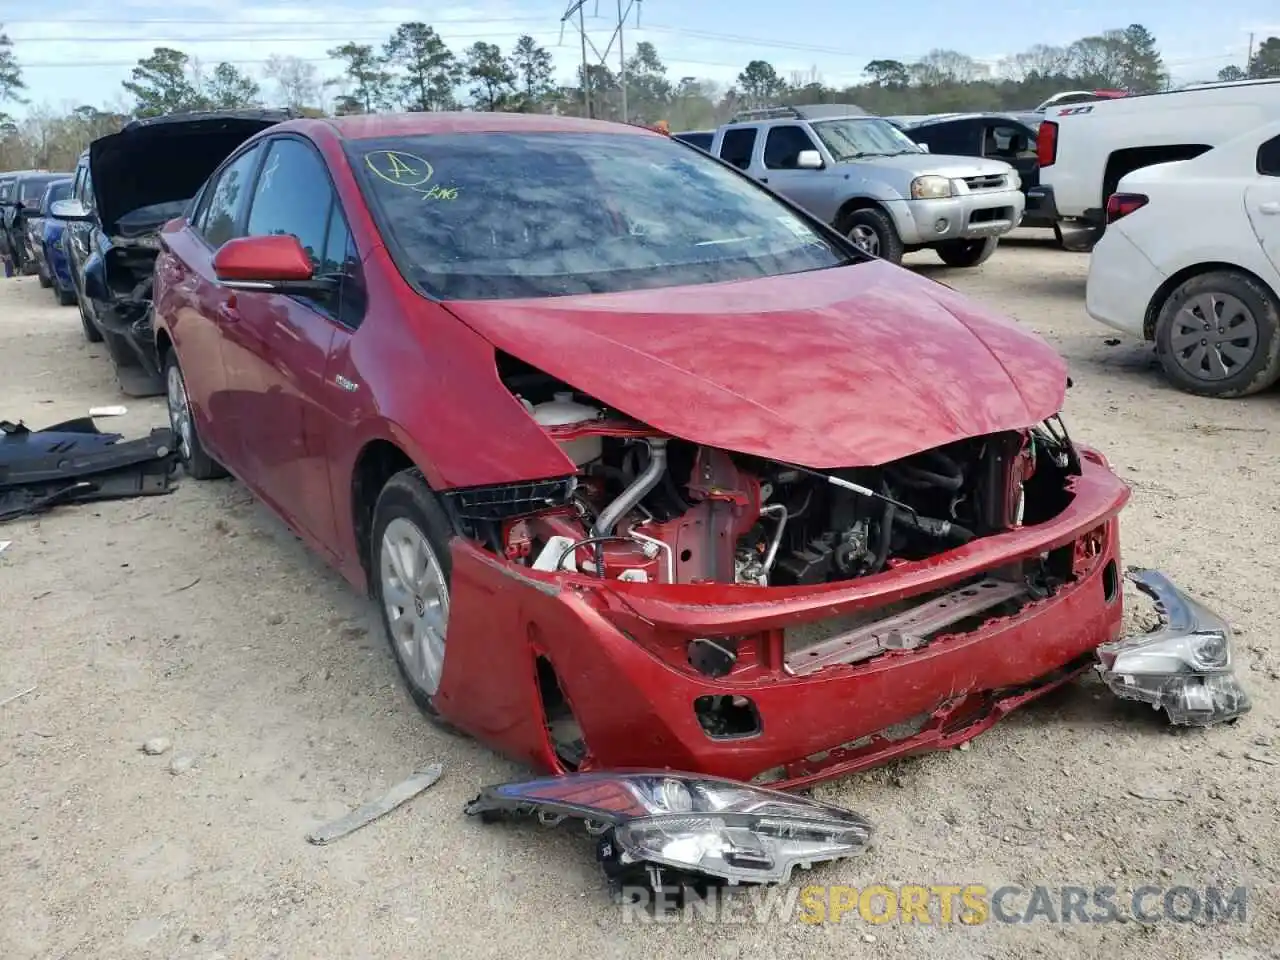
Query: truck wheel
pixel 411 569
pixel 198 464
pixel 871 230
pixel 1218 335
pixel 967 253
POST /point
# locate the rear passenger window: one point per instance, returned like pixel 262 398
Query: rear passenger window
pixel 782 147
pixel 737 145
pixel 220 219
pixel 1269 158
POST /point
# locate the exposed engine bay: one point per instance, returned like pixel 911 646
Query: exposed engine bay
pixel 652 508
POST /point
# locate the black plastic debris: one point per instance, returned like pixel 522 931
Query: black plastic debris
pixel 75 462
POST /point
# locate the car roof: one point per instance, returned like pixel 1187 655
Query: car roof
pixel 954 117
pixel 370 126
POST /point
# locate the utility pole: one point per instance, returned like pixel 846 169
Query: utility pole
pixel 624 11
pixel 622 59
pixel 1248 61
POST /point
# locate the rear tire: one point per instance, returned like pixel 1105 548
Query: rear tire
pixel 46 281
pixel 967 253
pixel 411 569
pixel 198 464
pixel 66 298
pixel 871 230
pixel 1218 335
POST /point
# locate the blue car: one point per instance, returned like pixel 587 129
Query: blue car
pixel 49 248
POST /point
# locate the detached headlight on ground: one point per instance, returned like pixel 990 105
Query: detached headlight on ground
pixel 691 824
pixel 1184 667
pixel 930 187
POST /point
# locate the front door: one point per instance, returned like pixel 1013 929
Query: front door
pixel 281 374
pixel 780 170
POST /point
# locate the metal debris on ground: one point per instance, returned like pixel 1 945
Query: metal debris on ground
pixel 76 462
pixel 18 695
pixel 400 794
pixel 116 411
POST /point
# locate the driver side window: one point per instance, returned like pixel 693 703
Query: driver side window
pixel 295 196
pixel 783 145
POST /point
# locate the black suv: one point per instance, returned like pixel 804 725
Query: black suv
pixel 19 201
pixel 126 187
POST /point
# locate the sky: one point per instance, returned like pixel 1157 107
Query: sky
pixel 79 51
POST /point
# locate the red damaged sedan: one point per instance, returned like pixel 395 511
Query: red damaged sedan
pixel 644 466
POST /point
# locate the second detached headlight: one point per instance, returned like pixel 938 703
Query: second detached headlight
pixel 931 187
pixel 702 825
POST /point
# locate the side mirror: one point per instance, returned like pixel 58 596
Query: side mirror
pixel 70 209
pixel 276 263
pixel 809 160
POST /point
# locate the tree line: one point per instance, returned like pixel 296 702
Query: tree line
pixel 415 70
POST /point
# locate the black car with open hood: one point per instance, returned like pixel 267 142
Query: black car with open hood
pixel 141 178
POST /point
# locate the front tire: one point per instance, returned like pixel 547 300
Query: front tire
pixel 967 253
pixel 411 569
pixel 198 464
pixel 871 230
pixel 87 323
pixel 1218 335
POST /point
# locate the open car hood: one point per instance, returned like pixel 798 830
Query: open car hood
pixel 167 159
pixel 852 366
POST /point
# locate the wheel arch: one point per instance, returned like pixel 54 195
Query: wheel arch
pixel 377 462
pixel 1182 276
pixel 853 205
pixel 1123 162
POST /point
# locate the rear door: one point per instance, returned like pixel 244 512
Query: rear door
pixel 202 314
pixel 1262 201
pixel 737 146
pixel 280 374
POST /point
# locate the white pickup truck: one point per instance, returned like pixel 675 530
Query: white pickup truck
pixel 1084 149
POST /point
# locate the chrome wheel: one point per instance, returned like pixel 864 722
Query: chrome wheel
pixel 179 411
pixel 865 239
pixel 416 598
pixel 1213 336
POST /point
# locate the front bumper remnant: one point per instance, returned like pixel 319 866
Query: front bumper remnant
pixel 1184 667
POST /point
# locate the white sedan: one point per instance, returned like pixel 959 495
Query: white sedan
pixel 1191 259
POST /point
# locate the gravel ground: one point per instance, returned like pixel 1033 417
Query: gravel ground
pixel 198 618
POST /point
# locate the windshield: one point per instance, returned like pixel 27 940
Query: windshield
pixel 851 138
pixel 501 215
pixel 57 191
pixel 33 188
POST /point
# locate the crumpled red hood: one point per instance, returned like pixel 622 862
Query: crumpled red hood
pixel 854 366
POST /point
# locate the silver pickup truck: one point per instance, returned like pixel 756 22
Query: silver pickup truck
pixel 871 182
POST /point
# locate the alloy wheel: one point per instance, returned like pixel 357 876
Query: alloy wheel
pixel 416 598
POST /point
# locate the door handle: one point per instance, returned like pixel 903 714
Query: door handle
pixel 1271 206
pixel 764 179
pixel 227 312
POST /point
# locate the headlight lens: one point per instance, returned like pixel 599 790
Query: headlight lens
pixel 721 828
pixel 1015 181
pixel 931 187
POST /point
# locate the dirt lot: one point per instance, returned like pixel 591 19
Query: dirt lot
pixel 197 617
